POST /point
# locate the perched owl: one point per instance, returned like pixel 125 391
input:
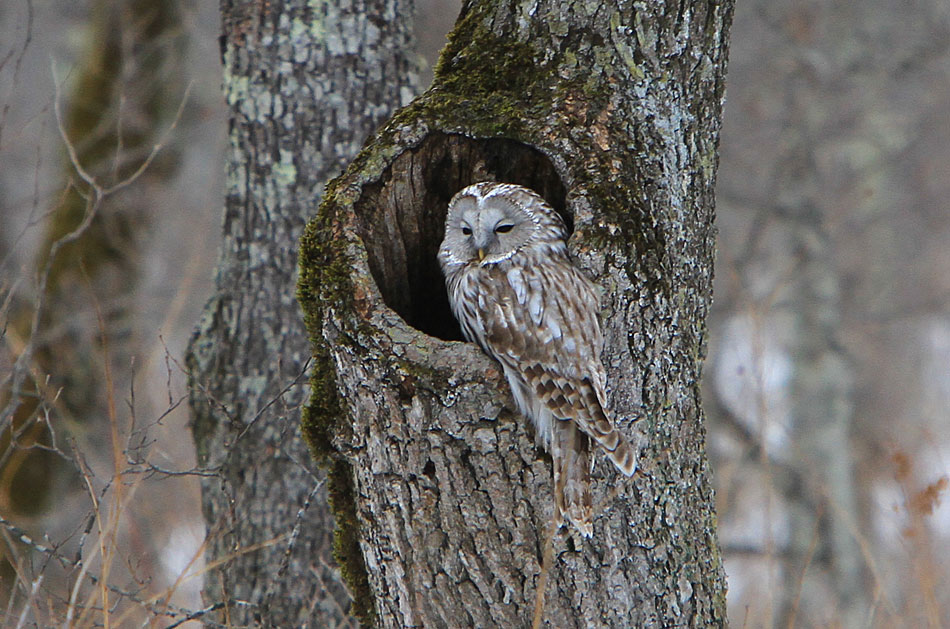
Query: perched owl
pixel 516 292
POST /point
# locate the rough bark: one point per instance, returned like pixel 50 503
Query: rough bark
pixel 442 500
pixel 306 83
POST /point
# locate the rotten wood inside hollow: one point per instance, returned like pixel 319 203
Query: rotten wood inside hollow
pixel 401 219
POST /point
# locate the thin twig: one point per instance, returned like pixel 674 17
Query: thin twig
pixel 30 601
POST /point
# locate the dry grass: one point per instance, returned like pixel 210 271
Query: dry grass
pixel 97 560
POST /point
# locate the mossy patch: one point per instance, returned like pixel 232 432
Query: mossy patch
pixel 346 542
pixel 325 283
pixel 486 85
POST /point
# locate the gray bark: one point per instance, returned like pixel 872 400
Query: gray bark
pixel 305 83
pixel 443 502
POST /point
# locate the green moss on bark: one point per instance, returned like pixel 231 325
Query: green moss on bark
pixel 346 542
pixel 325 283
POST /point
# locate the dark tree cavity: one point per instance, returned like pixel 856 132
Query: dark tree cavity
pixel 401 219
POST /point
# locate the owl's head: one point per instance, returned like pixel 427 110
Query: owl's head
pixel 490 222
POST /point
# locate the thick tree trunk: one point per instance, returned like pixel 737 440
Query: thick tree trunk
pixel 443 502
pixel 306 85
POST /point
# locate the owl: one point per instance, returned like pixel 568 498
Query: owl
pixel 516 293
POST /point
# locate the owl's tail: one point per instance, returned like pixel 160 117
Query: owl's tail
pixel 598 425
pixel 623 456
pixel 570 451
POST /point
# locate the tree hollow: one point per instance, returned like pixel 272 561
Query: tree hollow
pixel 401 218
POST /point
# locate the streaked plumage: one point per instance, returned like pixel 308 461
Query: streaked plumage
pixel 516 292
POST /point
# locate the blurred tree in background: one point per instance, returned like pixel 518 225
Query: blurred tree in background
pixel 830 349
pixel 73 344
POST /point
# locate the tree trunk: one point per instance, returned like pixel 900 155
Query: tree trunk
pixel 823 406
pixel 443 502
pixel 306 85
pixel 822 387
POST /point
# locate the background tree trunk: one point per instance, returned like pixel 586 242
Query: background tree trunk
pixel 443 503
pixel 306 84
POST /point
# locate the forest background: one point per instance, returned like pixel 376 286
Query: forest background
pixel 827 382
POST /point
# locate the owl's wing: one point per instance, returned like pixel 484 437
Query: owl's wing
pixel 542 320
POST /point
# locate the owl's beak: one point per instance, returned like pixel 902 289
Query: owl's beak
pixel 481 254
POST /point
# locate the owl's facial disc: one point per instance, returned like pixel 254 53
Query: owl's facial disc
pixel 494 230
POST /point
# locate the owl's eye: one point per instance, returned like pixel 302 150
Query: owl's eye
pixel 467 231
pixel 503 229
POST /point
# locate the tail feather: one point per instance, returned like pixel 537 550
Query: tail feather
pixel 582 402
pixel 623 456
pixel 570 451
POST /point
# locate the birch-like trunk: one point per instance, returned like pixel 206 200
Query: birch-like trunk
pixel 306 83
pixel 443 502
